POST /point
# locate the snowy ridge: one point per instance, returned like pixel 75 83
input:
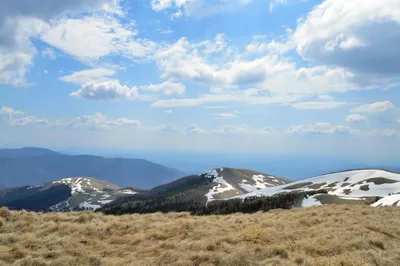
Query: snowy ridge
pixel 89 194
pixel 348 185
pixel 228 182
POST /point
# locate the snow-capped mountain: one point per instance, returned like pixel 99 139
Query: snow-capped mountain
pixel 354 187
pixel 68 194
pixel 194 192
pixel 89 194
pixel 229 182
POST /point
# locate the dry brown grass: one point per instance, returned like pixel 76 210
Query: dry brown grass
pixel 327 235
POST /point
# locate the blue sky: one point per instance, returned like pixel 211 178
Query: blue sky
pixel 290 77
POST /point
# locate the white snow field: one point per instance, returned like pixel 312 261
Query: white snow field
pixel 347 185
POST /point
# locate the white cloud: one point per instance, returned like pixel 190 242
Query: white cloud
pixel 232 129
pixel 93 37
pixel 261 45
pixel 268 130
pixel 225 115
pixel 167 87
pixel 215 107
pixel 325 97
pixel 168 111
pixel 318 105
pixel 106 90
pixel 21 20
pixel 165 128
pixel 7 113
pixel 28 121
pixel 87 75
pixel 274 3
pixel 190 61
pixel 166 31
pixel 375 108
pixel 385 133
pixel 320 128
pixel 96 122
pixel 359 35
pixel 195 129
pixel 355 119
pixel 196 8
pixel 49 52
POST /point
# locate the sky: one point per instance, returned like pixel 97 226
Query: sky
pixel 257 76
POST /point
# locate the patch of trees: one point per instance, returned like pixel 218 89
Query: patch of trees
pixel 254 204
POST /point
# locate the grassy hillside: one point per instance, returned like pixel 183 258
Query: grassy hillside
pixel 325 235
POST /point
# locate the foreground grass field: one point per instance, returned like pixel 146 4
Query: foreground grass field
pixel 325 235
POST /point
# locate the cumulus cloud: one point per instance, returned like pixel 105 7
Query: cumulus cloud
pixel 320 128
pixel 355 119
pixel 83 76
pixel 184 60
pixel 91 38
pixel 232 129
pixel 14 118
pixel 359 36
pixel 375 108
pixel 28 121
pixel 106 90
pixel 20 20
pixel 268 130
pixel 194 129
pixel 95 122
pixel 167 87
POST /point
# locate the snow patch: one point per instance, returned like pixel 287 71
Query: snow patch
pixel 87 205
pixel 221 187
pixel 310 201
pixel 259 183
pixel 131 192
pixel 105 201
pixel 392 200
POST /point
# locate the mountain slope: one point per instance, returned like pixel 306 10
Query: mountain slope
pixel 354 187
pixel 230 182
pixel 67 194
pixel 192 193
pixel 19 168
pixel 25 152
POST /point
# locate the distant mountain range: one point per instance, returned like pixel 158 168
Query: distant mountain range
pixel 34 166
pixel 83 193
pixel 83 182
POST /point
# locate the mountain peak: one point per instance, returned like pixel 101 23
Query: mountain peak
pixel 229 182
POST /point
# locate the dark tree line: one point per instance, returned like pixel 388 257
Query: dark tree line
pixel 194 201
